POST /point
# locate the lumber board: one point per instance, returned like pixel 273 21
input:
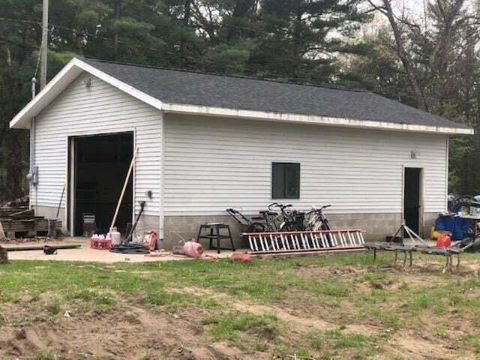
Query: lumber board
pixel 27 225
pixel 40 247
pixel 6 212
pixel 24 214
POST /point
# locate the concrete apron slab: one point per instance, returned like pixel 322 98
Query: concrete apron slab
pixel 86 254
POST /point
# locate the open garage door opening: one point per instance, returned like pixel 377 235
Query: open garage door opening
pixel 98 167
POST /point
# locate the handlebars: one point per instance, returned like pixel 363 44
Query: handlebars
pixel 281 219
pixel 283 207
pixel 280 206
pixel 232 211
pixel 319 210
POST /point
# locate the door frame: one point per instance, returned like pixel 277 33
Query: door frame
pixel 421 196
pixel 70 190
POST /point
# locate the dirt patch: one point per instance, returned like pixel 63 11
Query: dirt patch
pixel 339 311
pixel 299 321
pixel 414 347
pixel 438 340
pixel 342 271
pixel 423 272
pixel 131 334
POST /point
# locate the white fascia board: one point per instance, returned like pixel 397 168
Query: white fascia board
pixel 140 95
pixel 310 119
pixel 44 97
pixel 60 83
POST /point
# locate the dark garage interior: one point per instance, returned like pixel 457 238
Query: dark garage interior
pixel 412 198
pixel 101 166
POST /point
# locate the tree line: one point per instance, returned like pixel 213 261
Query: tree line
pixel 428 58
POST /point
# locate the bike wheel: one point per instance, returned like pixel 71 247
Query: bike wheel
pixel 325 226
pixel 256 227
pixel 317 226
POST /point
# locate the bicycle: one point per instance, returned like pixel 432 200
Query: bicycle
pixel 290 220
pixel 317 220
pixel 272 220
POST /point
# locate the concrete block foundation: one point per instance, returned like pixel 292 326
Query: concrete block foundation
pixel 377 226
pixel 176 228
pixel 49 212
pixel 146 222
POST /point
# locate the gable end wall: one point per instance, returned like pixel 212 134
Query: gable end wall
pixel 98 109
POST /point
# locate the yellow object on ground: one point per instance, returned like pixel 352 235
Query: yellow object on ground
pixel 434 234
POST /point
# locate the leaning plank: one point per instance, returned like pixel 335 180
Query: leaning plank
pixel 24 214
pixel 2 233
pixel 40 247
pixel 6 212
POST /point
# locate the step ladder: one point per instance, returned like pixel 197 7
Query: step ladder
pixel 305 241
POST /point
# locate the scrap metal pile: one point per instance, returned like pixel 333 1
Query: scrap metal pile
pixel 455 232
pixel 414 243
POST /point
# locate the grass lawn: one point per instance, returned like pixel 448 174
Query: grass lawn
pixel 318 307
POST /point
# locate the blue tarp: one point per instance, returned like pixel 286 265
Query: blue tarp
pixel 459 227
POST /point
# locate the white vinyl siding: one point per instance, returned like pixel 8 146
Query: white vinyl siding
pixel 214 163
pixel 100 109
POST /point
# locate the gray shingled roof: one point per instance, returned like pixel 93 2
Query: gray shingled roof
pixel 182 87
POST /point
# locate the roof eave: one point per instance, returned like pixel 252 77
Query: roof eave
pixel 311 119
pixel 46 95
pixel 61 81
pixel 76 66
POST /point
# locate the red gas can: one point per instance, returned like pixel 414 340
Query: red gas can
pixel 444 241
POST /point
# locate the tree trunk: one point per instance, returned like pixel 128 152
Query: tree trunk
pixel 242 10
pixel 116 10
pixel 185 22
pixel 404 58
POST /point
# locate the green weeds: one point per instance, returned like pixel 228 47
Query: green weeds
pixel 317 287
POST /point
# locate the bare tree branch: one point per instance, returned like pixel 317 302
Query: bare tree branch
pixel 403 55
